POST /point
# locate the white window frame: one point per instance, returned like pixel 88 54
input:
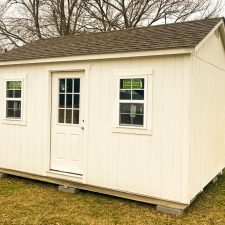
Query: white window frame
pixel 147 75
pixel 119 101
pixel 22 119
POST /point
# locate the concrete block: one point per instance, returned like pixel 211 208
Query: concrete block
pixel 168 210
pixel 66 189
pixel 215 179
pixel 2 175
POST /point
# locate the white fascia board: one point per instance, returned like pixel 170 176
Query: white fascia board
pixel 219 26
pixel 101 56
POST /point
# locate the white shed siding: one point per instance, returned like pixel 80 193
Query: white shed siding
pixel 154 165
pixel 207 118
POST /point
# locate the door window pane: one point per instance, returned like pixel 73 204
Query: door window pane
pixel 61 115
pixel 69 85
pixel 61 101
pixel 62 86
pixel 75 116
pixel 76 85
pixel 76 103
pixel 68 116
pixel 69 101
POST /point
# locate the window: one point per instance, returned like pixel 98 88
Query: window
pixel 69 101
pixel 132 102
pixel 13 99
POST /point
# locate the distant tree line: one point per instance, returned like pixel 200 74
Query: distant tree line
pixel 22 21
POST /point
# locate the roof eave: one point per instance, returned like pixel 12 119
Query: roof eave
pixel 177 51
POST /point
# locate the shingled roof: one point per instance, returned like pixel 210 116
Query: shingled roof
pixel 170 36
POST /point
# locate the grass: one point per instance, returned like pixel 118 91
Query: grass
pixel 26 202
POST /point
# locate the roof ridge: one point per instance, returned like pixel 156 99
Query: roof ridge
pixel 128 29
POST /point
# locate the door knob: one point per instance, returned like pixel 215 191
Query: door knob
pixel 82 128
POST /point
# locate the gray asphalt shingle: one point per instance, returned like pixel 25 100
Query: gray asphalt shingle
pixel 170 36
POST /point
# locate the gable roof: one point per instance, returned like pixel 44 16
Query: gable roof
pixel 160 37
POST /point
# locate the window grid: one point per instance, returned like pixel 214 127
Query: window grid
pixel 135 107
pixel 14 100
pixel 69 110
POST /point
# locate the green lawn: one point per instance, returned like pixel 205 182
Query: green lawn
pixel 28 202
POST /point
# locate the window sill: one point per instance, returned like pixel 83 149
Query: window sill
pixel 14 122
pixel 132 130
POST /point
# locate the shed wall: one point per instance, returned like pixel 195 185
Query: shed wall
pixel 153 165
pixel 207 110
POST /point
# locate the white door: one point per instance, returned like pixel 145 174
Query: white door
pixel 67 122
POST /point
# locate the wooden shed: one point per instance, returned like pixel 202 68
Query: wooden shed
pixel 137 113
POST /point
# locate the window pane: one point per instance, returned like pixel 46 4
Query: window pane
pixel 61 85
pixel 131 108
pixel 61 116
pixel 10 94
pixel 61 101
pixel 69 85
pixel 17 94
pixel 14 85
pixel 76 116
pixel 76 85
pixel 125 95
pixel 9 113
pixel 13 109
pixel 139 108
pixel 125 119
pixel 13 105
pixel 138 95
pixel 138 84
pixel 68 116
pixel 125 84
pixel 13 94
pixel 18 113
pixel 138 120
pixel 131 114
pixel 76 103
pixel 69 101
pixel 125 108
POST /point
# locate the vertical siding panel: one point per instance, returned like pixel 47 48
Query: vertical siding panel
pixel 167 130
pixel 123 159
pixel 157 141
pixel 94 121
pixel 177 125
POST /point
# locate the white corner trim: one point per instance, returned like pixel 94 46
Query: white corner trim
pixel 219 25
pixel 102 56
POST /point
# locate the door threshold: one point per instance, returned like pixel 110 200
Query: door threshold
pixel 65 175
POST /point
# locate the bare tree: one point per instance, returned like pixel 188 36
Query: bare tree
pixel 66 16
pixel 22 21
pixel 122 14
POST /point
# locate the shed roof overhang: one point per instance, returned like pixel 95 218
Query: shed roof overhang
pixel 164 52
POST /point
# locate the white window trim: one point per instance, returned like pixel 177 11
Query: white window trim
pixel 15 121
pixel 147 74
